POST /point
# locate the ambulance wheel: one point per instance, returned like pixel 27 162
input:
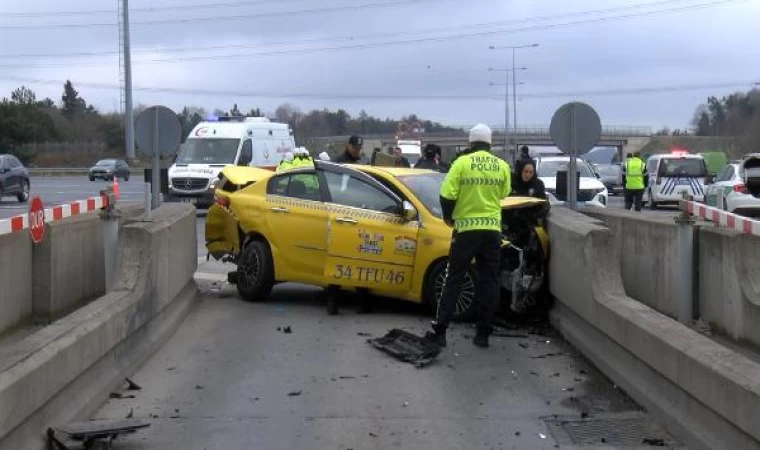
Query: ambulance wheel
pixel 255 271
pixel 466 307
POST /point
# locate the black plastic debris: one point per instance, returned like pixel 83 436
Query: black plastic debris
pixel 294 393
pixel 363 334
pixel 407 347
pixel 119 395
pixel 287 330
pixel 91 432
pixel 654 442
pixel 132 386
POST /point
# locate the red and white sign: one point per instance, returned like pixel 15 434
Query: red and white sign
pixel 36 220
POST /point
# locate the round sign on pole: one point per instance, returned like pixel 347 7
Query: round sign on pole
pixel 36 220
pixel 575 128
pixel 158 131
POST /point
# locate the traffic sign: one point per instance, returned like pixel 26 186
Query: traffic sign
pixel 36 220
pixel 158 130
pixel 575 128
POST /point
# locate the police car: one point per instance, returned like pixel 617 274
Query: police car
pixel 218 142
pixel 671 174
pixel 591 191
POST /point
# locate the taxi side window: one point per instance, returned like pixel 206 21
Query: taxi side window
pixel 349 191
pixel 298 185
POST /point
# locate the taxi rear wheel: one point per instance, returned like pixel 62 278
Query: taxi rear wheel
pixel 465 309
pixel 255 272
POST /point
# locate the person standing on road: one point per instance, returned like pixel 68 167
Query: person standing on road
pixel 399 158
pixel 471 197
pixel 431 159
pixel 634 181
pixel 523 159
pixel 353 152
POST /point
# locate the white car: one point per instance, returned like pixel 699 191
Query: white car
pixel 735 188
pixel 592 191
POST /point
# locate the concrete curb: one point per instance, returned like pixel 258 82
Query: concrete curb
pixel 64 371
pixel 708 395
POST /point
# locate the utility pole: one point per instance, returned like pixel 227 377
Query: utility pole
pixel 514 89
pixel 129 121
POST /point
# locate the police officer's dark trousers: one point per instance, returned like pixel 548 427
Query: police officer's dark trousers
pixel 484 246
pixel 633 197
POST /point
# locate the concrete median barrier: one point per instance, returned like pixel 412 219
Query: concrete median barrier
pixel 703 392
pixel 64 371
pixel 15 280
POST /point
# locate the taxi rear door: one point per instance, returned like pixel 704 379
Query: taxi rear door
pixel 369 244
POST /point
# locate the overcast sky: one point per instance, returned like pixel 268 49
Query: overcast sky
pixel 378 55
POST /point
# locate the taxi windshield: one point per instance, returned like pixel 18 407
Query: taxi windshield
pixel 209 151
pixel 426 187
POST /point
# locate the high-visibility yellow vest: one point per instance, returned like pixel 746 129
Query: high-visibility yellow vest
pixel 634 174
pixel 477 181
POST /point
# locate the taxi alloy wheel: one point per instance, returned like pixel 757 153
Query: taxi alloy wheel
pixel 255 272
pixel 466 306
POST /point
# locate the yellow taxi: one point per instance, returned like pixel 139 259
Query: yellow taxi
pixel 377 229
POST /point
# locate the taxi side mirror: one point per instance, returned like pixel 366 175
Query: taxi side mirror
pixel 409 212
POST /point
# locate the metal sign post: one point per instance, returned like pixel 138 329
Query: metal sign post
pixel 575 130
pixel 158 133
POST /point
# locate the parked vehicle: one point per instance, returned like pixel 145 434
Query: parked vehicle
pixel 591 192
pixel 377 230
pixel 14 178
pixel 218 142
pixel 731 190
pixel 106 169
pixel 671 174
pixel 606 163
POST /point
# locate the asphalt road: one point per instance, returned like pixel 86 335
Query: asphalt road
pixel 231 378
pixel 57 190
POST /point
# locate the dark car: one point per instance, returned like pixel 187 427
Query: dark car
pixel 106 169
pixel 14 178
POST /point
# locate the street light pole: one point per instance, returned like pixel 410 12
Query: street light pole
pixel 514 87
pixel 129 121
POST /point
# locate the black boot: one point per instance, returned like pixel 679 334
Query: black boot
pixel 481 337
pixel 438 335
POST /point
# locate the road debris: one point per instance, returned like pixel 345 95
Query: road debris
pixel 94 431
pixel 407 347
pixel 294 393
pixel 119 395
pixel 132 386
pixel 287 330
pixel 654 442
pixel 199 387
pixel 363 334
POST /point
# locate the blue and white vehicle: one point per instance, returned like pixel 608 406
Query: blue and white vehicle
pixel 672 174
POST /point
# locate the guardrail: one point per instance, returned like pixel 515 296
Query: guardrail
pixel 720 217
pixel 66 171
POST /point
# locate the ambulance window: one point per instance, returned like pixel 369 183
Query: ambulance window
pixel 246 153
pixel 349 191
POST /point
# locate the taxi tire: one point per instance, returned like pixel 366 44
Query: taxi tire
pixel 428 292
pixel 260 288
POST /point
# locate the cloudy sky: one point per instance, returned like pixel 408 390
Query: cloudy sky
pixel 638 62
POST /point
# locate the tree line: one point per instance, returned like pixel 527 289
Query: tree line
pixel 736 115
pixel 25 119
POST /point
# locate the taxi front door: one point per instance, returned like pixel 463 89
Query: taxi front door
pixel 369 244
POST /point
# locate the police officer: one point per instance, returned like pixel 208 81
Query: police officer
pixel 286 163
pixel 431 159
pixel 471 197
pixel 634 181
pixel 353 152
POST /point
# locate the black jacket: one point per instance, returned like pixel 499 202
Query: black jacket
pixel 533 188
pixel 429 163
pixel 346 158
pixel 403 162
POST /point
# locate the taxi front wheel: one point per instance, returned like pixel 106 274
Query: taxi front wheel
pixel 465 309
pixel 255 272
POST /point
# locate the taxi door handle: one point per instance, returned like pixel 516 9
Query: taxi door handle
pixel 347 220
pixel 279 209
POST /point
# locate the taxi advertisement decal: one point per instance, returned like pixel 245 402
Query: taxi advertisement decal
pixel 405 245
pixel 370 243
pixel 350 272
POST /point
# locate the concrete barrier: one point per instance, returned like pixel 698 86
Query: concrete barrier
pixel 647 248
pixel 704 393
pixel 728 286
pixel 65 371
pixel 15 280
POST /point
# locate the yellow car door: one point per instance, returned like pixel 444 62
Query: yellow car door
pixel 369 243
pixel 297 219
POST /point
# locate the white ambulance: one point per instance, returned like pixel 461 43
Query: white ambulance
pixel 411 150
pixel 219 142
pixel 671 174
